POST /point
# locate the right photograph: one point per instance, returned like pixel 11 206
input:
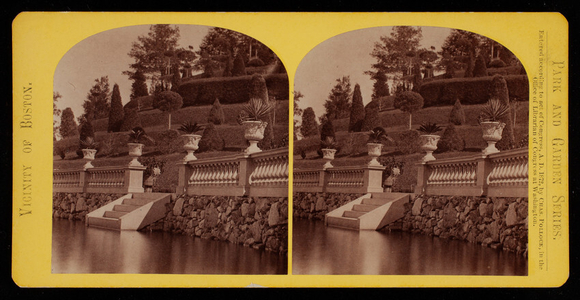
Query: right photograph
pixel 410 155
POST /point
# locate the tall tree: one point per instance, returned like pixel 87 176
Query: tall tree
pixel 155 53
pixel 68 126
pixel 357 111
pixel 409 102
pixel 395 53
pixel 98 101
pixel 116 114
pixel 337 104
pixel 380 85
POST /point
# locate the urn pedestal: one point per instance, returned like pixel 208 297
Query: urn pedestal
pixel 135 151
pixel 491 134
pixel 374 151
pixel 191 144
pixel 254 133
pixel 328 156
pixel 89 156
pixel 429 144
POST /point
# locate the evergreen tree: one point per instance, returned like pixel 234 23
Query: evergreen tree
pixel 479 68
pixel 457 115
pixel 309 126
pixel 372 118
pixel 357 111
pixel 338 103
pixel 211 140
pixel 68 127
pixel 380 86
pixel 98 103
pixel 131 119
pixel 327 130
pixel 450 140
pixel 138 87
pixel 216 114
pixel 116 113
pixel 239 68
pixel 499 90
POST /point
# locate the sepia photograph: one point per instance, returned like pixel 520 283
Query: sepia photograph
pixel 410 155
pixel 170 154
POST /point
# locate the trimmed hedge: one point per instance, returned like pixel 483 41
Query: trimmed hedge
pixel 230 90
pixel 470 90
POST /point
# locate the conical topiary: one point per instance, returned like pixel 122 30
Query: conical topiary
pixel 499 90
pixel 131 119
pixel 457 115
pixel 372 118
pixel 450 140
pixel 211 140
pixel 357 111
pixel 216 114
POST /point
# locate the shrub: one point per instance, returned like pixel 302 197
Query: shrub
pixel 357 111
pixel 167 141
pixel 211 140
pixel 457 115
pixel 86 131
pixel 216 114
pixel 450 140
pixel 496 63
pixel 60 152
pixel 169 102
pixel 499 90
pixel 372 118
pixel 255 62
pixel 131 119
pixel 327 130
pixel 407 141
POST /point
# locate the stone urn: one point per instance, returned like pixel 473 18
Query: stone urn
pixel 191 144
pixel 492 131
pixel 254 133
pixel 428 144
pixel 135 151
pixel 374 151
pixel 328 156
pixel 89 156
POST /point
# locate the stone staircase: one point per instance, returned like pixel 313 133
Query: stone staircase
pixel 130 212
pixel 369 212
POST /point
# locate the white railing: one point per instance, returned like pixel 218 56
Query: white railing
pixel 122 179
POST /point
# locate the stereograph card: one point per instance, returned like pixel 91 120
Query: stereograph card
pixel 290 149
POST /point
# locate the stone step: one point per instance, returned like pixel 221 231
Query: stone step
pixel 114 214
pixel 102 222
pixel 364 207
pixel 342 222
pixel 376 201
pixel 138 201
pixel 125 207
pixel 353 214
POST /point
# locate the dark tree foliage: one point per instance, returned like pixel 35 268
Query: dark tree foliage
pixel 68 126
pixel 211 139
pixel 372 118
pixel 131 119
pixel 357 111
pixel 139 86
pixel 457 115
pixel 327 130
pixel 338 104
pixel 216 114
pixel 239 68
pixel 116 114
pixel 168 102
pixel 409 102
pixel 479 68
pixel 380 85
pixel 309 126
pixel 450 140
pixel 97 104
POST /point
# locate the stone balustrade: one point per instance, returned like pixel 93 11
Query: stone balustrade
pixel 261 174
pixel 99 180
pixel 503 174
pixel 351 179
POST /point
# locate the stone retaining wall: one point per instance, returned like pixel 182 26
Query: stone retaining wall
pixel 316 205
pixel 261 223
pixel 497 222
pixel 74 206
pixel 500 223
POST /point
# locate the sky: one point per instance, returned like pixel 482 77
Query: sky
pixel 347 54
pixel 105 54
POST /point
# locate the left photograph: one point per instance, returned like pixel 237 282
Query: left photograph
pixel 170 154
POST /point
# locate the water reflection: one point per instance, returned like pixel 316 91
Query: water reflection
pixel 318 249
pixel 80 249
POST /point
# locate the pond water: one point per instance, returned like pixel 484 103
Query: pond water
pixel 80 249
pixel 318 249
